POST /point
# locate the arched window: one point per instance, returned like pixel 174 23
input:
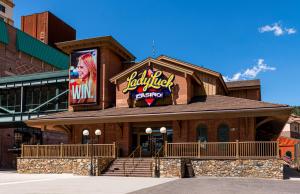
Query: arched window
pixel 84 139
pixel 202 133
pixel 223 133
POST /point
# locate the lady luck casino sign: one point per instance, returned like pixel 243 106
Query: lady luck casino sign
pixel 149 86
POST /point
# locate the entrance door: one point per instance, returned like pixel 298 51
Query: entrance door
pixel 150 144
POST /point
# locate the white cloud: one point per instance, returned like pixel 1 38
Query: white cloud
pixel 277 29
pixel 291 30
pixel 252 72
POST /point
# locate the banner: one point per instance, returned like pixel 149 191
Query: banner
pixel 83 77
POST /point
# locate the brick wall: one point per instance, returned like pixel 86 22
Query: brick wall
pixel 14 62
pixel 7 159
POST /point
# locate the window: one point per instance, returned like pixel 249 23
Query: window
pixel 223 133
pixel 10 99
pixel 2 8
pixel 202 133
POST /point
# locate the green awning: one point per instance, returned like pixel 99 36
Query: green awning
pixel 3 32
pixel 44 52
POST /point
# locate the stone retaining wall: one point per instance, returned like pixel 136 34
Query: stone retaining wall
pixel 267 168
pixel 78 166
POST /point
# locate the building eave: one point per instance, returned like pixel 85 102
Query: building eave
pixel 103 41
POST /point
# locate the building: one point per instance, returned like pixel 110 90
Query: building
pixel 32 83
pixel 6 11
pixel 292 127
pixel 157 105
pixel 287 146
pixel 47 28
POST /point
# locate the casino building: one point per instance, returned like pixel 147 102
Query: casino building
pixel 157 105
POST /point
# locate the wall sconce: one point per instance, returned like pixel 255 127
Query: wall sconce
pixel 233 129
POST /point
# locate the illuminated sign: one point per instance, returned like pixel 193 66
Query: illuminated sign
pixel 149 85
pixel 83 77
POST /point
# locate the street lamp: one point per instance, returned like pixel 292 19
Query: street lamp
pixel 149 132
pixel 86 133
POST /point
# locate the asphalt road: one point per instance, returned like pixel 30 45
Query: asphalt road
pixel 208 185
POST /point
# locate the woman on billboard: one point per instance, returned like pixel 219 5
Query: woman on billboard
pixel 83 77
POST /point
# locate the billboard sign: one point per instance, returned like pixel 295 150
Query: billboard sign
pixel 83 77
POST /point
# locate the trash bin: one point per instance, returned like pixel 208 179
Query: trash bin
pixel 189 171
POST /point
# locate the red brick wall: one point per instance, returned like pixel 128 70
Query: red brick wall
pixel 185 131
pixel 54 137
pixel 47 28
pixel 14 62
pixel 7 159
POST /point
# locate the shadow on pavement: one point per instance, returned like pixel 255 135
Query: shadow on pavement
pixel 290 172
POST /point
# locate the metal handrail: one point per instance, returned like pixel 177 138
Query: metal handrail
pixel 132 155
pixel 157 160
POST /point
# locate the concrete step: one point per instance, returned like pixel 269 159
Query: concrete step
pixel 129 175
pixel 140 168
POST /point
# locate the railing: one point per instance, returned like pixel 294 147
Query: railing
pixel 137 152
pixel 157 156
pixel 69 151
pixel 224 150
pixel 297 155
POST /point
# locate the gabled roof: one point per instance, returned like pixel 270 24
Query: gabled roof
pixel 186 64
pixel 209 107
pixel 195 67
pixel 108 41
pixel 294 118
pixel 243 84
pixel 287 141
pixel 147 62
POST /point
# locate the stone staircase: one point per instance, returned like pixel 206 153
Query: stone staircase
pixel 142 167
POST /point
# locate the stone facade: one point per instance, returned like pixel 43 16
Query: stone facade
pixel 77 166
pixel 267 168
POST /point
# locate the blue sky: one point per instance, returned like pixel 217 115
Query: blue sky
pixel 258 39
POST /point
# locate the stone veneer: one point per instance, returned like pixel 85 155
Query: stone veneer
pixel 267 168
pixel 78 166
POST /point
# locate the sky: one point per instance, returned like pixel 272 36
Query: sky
pixel 242 40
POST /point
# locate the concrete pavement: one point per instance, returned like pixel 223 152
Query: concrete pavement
pixel 14 183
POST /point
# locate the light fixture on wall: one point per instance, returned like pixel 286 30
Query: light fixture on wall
pixel 233 129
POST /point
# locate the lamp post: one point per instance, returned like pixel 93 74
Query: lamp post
pixel 86 134
pixel 149 132
pixel 163 131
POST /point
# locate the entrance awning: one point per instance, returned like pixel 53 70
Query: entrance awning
pixel 210 107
